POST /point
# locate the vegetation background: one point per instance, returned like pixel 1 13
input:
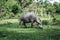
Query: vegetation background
pixel 49 13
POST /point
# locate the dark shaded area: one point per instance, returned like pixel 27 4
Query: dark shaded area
pixel 45 22
pixel 3 34
pixel 15 9
pixel 58 11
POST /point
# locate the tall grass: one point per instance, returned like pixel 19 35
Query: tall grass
pixel 11 31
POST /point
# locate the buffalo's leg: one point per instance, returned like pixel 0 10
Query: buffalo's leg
pixel 24 24
pixel 31 24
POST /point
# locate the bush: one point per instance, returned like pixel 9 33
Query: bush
pixel 45 22
pixel 57 22
pixel 15 9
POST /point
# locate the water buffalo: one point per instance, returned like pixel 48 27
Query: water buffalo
pixel 29 17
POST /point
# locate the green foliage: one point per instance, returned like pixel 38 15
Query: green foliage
pixel 8 8
pixel 57 22
pixel 45 22
pixel 2 8
pixel 58 10
pixel 57 7
pixel 24 3
pixel 15 7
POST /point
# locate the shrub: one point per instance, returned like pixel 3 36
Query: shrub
pixel 15 9
pixel 45 22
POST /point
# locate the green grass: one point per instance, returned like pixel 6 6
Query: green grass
pixel 11 31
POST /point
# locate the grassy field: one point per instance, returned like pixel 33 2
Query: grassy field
pixel 11 31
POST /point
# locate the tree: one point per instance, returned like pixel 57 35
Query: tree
pixel 2 7
pixel 57 7
pixel 24 3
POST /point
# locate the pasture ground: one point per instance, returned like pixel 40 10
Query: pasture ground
pixel 11 31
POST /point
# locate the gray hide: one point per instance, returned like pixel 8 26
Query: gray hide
pixel 29 17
